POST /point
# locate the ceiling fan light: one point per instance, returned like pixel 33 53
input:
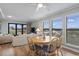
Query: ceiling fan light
pixel 9 16
pixel 40 5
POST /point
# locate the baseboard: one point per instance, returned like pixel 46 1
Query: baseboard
pixel 75 46
pixel 68 46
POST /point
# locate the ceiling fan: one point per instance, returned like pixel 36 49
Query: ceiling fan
pixel 39 6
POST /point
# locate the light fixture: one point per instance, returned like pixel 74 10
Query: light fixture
pixel 9 16
pixel 38 30
pixel 40 6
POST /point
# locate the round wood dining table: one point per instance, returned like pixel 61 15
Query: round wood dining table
pixel 39 40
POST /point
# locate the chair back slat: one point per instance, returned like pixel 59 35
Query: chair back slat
pixel 52 45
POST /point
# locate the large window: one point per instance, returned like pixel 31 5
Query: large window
pixel 46 24
pixel 16 29
pixel 12 29
pixel 24 28
pixel 19 29
pixel 57 25
pixel 46 27
pixel 73 29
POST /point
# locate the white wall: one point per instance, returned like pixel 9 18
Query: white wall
pixel 38 24
pixel 4 28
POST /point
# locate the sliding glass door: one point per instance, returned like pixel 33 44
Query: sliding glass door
pixel 24 28
pixel 12 29
pixel 17 29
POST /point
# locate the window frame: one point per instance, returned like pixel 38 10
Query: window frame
pixel 16 27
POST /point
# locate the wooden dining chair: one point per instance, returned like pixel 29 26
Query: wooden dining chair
pixel 59 46
pixel 37 47
pixel 58 42
pixel 50 49
pixel 31 46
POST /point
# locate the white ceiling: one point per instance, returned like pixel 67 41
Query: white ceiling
pixel 27 11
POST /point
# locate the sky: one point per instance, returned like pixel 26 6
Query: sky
pixel 73 21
